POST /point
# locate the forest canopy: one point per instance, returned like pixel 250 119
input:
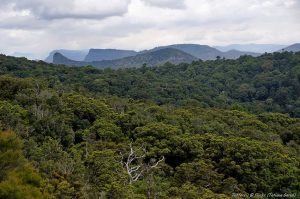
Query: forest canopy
pixel 203 130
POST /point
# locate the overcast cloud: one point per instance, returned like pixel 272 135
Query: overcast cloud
pixel 39 26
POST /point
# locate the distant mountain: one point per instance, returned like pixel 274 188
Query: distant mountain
pixel 108 54
pixel 157 57
pixel 205 52
pixel 59 58
pixel 293 48
pixel 235 54
pixel 104 58
pixel 151 58
pixel 77 55
pixel 257 48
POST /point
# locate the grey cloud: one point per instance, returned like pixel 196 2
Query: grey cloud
pixel 21 22
pixel 296 7
pixel 171 4
pixel 85 9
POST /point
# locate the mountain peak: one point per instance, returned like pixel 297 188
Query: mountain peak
pixel 76 55
pixel 58 57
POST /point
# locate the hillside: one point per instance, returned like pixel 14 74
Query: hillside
pixel 292 48
pixel 204 130
pixel 152 58
pixel 107 54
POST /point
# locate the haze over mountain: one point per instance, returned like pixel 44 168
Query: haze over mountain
pixel 128 58
pixel 258 48
pixel 116 58
pixel 151 58
pixel 293 48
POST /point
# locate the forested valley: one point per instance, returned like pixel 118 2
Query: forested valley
pixel 208 129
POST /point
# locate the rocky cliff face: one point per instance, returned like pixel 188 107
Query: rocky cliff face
pixel 108 54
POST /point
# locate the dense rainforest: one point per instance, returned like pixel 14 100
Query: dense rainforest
pixel 209 129
pixel 269 83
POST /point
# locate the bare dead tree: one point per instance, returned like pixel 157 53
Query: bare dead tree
pixel 134 164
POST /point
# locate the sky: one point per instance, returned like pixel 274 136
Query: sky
pixel 36 27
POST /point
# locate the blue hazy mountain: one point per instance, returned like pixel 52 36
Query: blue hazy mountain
pixel 77 55
pixel 257 48
pixel 203 52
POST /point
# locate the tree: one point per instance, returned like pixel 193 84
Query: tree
pixel 18 179
pixel 134 164
pixel 13 117
pixel 106 175
pixel 136 167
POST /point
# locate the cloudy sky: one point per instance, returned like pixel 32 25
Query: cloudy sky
pixel 39 26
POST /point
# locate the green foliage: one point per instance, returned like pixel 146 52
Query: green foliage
pixel 18 179
pixel 11 86
pixel 76 130
pixel 266 83
pixel 199 173
pixel 254 164
pixel 13 117
pixel 106 130
pixel 11 154
pixel 107 175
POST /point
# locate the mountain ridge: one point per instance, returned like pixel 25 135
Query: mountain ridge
pixel 153 58
pixel 206 52
pixel 203 52
pixel 293 48
pixel 115 58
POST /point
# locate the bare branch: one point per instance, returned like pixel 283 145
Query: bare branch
pixel 156 164
pixel 134 164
